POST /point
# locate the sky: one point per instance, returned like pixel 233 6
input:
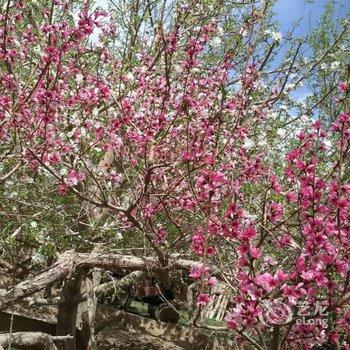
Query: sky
pixel 289 11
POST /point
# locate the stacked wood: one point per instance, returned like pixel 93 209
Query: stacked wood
pixel 216 308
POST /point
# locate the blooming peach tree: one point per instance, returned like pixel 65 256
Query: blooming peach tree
pixel 172 134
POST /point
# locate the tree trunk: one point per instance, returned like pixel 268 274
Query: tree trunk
pixel 68 307
pixel 89 314
pixel 275 343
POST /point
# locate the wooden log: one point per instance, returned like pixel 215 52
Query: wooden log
pixel 69 261
pixel 165 313
pixel 32 340
pixel 104 288
pixel 56 272
pixel 123 283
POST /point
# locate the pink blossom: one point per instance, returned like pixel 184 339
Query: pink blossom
pixel 74 177
pixel 280 276
pixel 334 337
pixel 285 240
pixel 203 299
pixel 212 281
pixel 198 244
pixel 265 280
pixel 291 197
pixel 62 189
pixel 149 210
pixel 231 322
pixel 161 236
pixel 342 86
pixel 248 233
pixel 255 252
pixel 54 158
pixel 291 294
pixel 199 271
pixel 308 275
pixel 276 211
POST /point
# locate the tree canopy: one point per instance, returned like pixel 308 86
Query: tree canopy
pixel 165 137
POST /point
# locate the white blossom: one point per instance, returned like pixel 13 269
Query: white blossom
pixel 83 132
pixel 29 180
pixel 283 108
pixel 38 258
pixel 262 142
pixel 248 143
pixel 220 31
pixel 335 65
pixel 273 115
pixel 328 144
pixel 215 42
pixel 79 78
pixel 33 224
pixel 4 6
pixel 276 36
pixel 244 32
pixel 281 133
pixel 130 76
pixel 95 112
pixel 304 118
